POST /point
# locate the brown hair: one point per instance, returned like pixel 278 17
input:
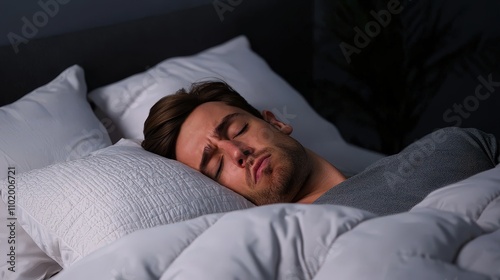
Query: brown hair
pixel 166 117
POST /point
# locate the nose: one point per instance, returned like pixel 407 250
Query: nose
pixel 236 151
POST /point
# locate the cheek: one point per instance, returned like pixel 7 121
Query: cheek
pixel 264 135
pixel 234 178
pixel 189 152
pixel 187 158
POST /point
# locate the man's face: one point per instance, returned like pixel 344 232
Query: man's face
pixel 253 157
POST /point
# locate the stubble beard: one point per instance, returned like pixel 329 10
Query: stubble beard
pixel 286 179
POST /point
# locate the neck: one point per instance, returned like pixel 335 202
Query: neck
pixel 323 176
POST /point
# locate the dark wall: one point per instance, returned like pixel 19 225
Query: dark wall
pixel 53 17
pixel 418 73
pixel 425 65
pixel 279 31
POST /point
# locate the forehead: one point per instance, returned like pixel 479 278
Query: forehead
pixel 196 130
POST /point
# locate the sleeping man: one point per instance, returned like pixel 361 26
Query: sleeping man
pixel 211 128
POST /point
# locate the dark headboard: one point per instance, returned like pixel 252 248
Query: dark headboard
pixel 279 30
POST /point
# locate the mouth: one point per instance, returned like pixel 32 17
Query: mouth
pixel 260 165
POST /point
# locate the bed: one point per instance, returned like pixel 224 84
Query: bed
pixel 82 200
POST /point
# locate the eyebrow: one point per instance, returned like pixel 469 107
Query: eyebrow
pixel 220 131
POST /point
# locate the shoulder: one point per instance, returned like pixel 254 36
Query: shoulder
pixel 457 142
pixel 463 137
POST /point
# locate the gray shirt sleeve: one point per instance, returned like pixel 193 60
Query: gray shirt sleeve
pixel 397 183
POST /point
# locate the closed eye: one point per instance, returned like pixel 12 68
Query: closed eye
pixel 219 170
pixel 245 127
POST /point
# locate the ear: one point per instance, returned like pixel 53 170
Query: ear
pixel 281 126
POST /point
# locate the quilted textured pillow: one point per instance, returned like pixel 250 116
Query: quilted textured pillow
pixel 53 123
pixel 73 208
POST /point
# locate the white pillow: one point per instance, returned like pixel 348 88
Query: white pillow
pixel 128 102
pixel 53 123
pixel 73 208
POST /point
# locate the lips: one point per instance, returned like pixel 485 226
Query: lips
pixel 259 166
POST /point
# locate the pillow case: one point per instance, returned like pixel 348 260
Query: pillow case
pixel 73 208
pixel 128 102
pixel 51 124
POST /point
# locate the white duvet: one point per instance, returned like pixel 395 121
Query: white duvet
pixel 452 234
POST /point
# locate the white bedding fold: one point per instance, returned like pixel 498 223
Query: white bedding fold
pixel 452 234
